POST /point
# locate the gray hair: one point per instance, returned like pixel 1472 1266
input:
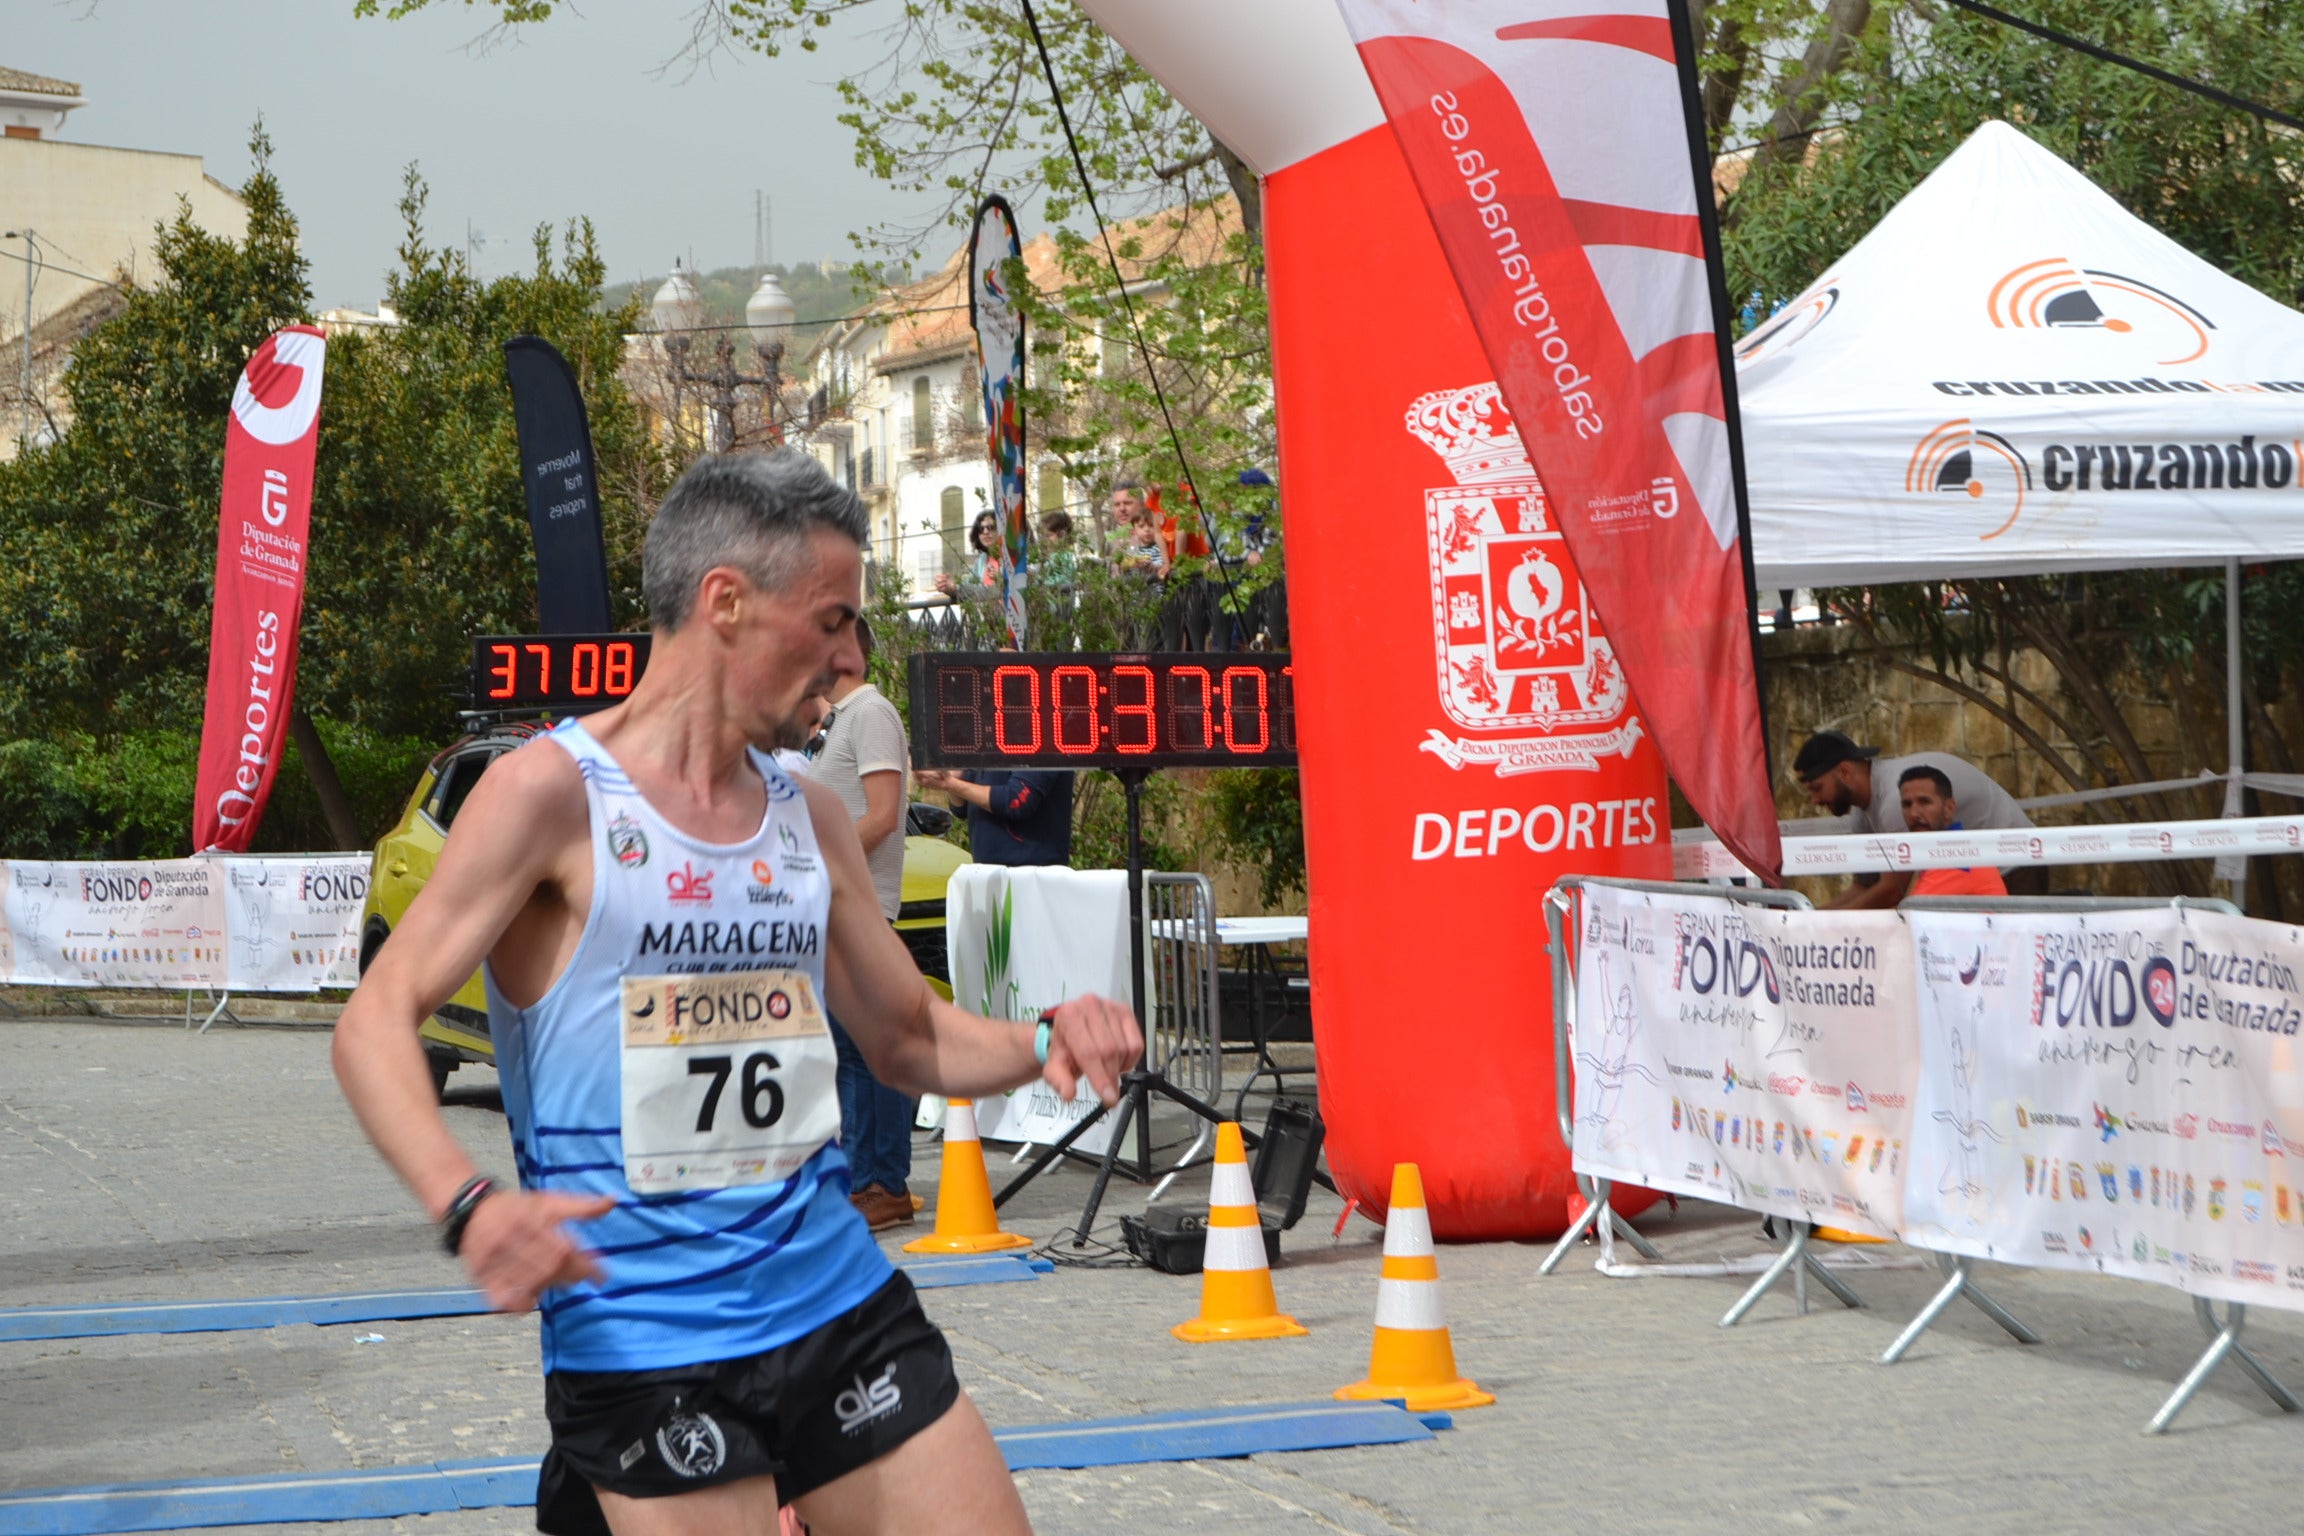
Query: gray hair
pixel 749 511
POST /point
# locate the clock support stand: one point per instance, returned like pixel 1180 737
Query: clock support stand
pixel 1138 1087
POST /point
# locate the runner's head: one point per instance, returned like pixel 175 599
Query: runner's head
pixel 753 571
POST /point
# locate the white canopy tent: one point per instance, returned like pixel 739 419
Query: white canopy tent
pixel 2013 375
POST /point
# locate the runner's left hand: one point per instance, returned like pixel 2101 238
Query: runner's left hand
pixel 1094 1039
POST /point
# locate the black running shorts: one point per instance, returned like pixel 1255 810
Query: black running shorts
pixel 805 1413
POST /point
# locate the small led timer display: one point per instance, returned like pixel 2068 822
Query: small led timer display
pixel 1072 709
pixel 567 673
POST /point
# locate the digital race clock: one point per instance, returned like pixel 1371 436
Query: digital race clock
pixel 565 673
pixel 1071 709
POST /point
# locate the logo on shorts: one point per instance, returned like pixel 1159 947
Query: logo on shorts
pixel 692 1445
pixel 861 1404
pixel 627 842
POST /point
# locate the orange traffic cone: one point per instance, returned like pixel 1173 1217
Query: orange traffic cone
pixel 1236 1300
pixel 965 1220
pixel 1412 1358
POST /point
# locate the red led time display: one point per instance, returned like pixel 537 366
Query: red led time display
pixel 1069 709
pixel 561 672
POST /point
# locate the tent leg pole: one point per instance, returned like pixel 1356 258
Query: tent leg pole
pixel 2235 727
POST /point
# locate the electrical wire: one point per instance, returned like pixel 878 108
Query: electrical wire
pixel 1128 306
pixel 2098 51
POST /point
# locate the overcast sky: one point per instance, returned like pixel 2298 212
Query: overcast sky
pixel 574 117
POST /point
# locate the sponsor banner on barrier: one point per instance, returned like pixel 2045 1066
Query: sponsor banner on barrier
pixel 1746 1054
pixel 2116 1092
pixel 293 924
pixel 126 924
pixel 1024 940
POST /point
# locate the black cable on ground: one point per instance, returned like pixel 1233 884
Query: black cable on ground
pixel 1096 1253
pixel 2098 51
pixel 1128 305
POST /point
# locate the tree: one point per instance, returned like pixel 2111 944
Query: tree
pixel 2221 182
pixel 419 536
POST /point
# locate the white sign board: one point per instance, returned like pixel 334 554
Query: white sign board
pixel 1741 1053
pixel 294 923
pixel 126 924
pixel 1023 940
pixel 2116 1091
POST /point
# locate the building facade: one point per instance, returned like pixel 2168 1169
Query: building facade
pixel 80 219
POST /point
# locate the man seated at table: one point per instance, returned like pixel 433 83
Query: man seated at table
pixel 1929 807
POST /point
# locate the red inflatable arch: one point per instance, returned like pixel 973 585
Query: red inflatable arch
pixel 1465 732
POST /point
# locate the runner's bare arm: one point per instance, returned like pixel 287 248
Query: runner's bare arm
pixel 522 824
pixel 914 1040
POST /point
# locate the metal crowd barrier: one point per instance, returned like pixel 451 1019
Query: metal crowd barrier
pixel 2223 1335
pixel 1562 909
pixel 1180 955
pixel 1562 912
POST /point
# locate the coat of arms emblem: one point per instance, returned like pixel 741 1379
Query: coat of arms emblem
pixel 1513 632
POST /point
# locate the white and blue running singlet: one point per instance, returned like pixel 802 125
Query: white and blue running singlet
pixel 692 1275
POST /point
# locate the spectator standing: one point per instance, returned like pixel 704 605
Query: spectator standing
pixel 1143 556
pixel 979 565
pixel 1015 817
pixel 863 762
pixel 1848 780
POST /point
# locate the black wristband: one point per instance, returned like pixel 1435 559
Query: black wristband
pixel 458 1216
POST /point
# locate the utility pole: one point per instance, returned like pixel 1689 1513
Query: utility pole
pixel 24 403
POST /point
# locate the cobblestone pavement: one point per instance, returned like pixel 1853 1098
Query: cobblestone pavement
pixel 138 1162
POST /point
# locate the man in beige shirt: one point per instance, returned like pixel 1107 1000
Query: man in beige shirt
pixel 863 762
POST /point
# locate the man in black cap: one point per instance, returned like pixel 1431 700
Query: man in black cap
pixel 1848 780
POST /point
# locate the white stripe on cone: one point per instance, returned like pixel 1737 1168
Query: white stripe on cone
pixel 1234 1248
pixel 960 1122
pixel 1409 1304
pixel 1231 1186
pixel 1408 1232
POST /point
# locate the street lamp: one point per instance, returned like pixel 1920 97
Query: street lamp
pixel 768 319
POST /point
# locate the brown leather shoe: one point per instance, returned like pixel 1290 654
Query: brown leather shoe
pixel 882 1208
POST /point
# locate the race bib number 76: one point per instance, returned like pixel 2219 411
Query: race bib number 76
pixel 728 1079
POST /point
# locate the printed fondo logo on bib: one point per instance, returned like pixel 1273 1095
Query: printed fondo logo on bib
pixel 728 1079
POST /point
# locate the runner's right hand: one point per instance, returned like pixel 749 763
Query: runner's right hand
pixel 518 1246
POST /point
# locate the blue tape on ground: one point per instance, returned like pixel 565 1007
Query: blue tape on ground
pixel 103 1319
pixel 1207 1433
pixel 18 1324
pixel 436 1487
pixel 975 1269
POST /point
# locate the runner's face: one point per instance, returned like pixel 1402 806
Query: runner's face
pixel 794 644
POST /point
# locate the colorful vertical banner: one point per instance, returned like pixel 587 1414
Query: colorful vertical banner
pixel 556 471
pixel 270 440
pixel 1000 365
pixel 1556 152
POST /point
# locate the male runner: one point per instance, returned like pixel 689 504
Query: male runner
pixel 664 914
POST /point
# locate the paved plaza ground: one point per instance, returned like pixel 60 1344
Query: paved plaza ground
pixel 138 1162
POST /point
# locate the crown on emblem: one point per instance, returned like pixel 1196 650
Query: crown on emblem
pixel 1472 432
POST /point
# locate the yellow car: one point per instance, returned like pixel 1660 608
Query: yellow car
pixel 458 1033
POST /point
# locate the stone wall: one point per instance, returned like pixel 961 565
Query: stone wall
pixel 1832 677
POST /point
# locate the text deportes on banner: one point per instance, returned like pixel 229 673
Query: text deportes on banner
pixel 999 326
pixel 1553 158
pixel 1747 1054
pixel 270 439
pixel 1437 607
